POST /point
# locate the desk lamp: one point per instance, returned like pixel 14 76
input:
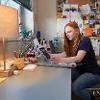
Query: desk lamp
pixel 8 31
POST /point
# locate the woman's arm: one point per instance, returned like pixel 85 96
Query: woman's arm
pixel 78 58
pixel 63 54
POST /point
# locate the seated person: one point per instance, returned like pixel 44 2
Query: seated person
pixel 78 49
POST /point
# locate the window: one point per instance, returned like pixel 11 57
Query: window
pixel 11 3
pixel 25 16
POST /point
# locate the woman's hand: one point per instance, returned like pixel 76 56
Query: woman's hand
pixel 55 58
pixel 61 60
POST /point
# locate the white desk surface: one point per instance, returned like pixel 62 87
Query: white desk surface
pixel 44 83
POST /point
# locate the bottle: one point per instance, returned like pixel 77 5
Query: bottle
pixel 16 54
pixel 21 55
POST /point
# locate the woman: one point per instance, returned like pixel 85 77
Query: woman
pixel 79 49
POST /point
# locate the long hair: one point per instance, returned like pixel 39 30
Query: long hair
pixel 70 47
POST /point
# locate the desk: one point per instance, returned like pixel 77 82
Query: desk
pixel 44 83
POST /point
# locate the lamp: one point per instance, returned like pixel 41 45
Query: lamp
pixel 8 31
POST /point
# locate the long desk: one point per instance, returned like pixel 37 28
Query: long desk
pixel 44 83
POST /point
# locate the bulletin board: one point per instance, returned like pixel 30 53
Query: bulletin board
pixel 79 2
pixel 65 13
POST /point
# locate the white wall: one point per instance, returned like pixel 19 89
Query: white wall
pixel 46 18
pixel 28 18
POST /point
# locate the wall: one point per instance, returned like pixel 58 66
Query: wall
pixel 46 18
pixel 27 19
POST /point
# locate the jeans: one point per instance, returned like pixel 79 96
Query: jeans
pixel 82 81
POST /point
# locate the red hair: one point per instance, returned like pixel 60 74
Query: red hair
pixel 70 47
pixel 72 24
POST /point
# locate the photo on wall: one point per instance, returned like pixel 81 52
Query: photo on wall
pixel 59 7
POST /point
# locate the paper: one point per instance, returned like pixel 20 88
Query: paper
pixel 85 9
pixel 30 67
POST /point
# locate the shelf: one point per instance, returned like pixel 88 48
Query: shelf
pixel 95 37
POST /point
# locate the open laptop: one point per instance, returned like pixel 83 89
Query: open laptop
pixel 44 60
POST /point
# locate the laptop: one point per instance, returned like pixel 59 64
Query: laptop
pixel 44 60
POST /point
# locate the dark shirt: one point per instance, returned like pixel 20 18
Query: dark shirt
pixel 89 62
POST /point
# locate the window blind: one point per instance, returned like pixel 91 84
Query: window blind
pixel 26 3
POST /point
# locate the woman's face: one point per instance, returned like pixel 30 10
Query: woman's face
pixel 70 33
